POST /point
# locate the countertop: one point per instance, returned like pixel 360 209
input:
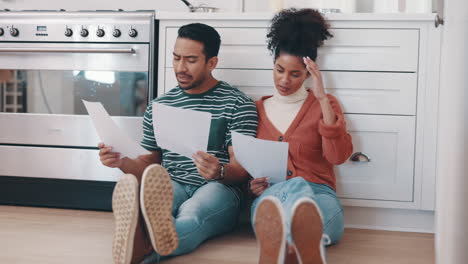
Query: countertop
pixel 267 16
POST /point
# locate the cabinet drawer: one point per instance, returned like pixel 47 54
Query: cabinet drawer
pixel 55 163
pixel 350 49
pixel 393 50
pixel 238 47
pixel 389 142
pixel 373 92
pixel 358 92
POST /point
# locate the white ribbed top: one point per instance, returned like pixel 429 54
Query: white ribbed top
pixel 281 110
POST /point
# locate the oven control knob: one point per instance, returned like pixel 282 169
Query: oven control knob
pixel 116 33
pixel 14 32
pixel 2 32
pixel 133 33
pixel 68 32
pixel 84 32
pixel 100 33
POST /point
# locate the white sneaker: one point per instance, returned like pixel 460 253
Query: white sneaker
pixel 125 208
pixel 156 206
pixel 270 230
pixel 307 232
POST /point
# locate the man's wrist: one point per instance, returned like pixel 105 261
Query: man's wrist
pixel 222 173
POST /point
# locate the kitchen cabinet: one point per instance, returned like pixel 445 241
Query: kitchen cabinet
pixel 383 68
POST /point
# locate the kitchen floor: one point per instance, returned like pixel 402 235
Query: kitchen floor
pixel 42 235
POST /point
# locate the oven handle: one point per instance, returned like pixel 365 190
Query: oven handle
pixel 68 50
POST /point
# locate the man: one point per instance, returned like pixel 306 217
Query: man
pixel 187 200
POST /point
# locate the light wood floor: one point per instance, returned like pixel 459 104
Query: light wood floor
pixel 41 235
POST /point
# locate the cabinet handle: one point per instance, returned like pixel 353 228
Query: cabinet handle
pixel 68 50
pixel 359 157
pixel 438 21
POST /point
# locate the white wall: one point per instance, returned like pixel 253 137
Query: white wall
pixel 165 5
pixel 361 6
pixel 172 5
pixel 452 147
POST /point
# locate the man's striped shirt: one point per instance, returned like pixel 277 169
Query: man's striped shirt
pixel 231 110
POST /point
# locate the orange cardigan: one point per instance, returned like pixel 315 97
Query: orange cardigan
pixel 314 147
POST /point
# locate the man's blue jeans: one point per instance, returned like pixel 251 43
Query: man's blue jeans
pixel 288 192
pixel 201 212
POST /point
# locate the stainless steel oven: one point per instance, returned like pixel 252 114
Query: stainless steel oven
pixel 56 59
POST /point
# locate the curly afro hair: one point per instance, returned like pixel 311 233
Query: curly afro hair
pixel 297 32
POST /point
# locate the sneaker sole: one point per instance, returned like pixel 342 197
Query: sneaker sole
pixel 270 231
pixel 156 205
pixel 306 231
pixel 125 205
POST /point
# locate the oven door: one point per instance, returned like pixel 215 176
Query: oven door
pixel 43 120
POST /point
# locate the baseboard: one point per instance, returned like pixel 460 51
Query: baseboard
pixel 95 195
pixel 404 220
pixel 56 193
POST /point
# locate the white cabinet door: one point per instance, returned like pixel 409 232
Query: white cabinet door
pixel 388 141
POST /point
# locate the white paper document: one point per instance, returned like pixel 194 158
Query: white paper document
pixel 182 131
pixel 110 134
pixel 261 158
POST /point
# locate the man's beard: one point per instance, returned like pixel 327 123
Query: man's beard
pixel 195 84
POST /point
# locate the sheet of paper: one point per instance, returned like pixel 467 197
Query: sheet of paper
pixel 182 131
pixel 110 134
pixel 261 158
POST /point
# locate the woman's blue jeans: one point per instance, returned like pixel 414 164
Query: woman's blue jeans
pixel 288 192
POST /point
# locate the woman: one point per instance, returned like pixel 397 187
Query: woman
pixel 293 217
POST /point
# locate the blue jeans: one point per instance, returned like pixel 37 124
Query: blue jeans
pixel 288 192
pixel 201 212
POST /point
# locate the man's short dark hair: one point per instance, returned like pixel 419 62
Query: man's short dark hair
pixel 205 34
